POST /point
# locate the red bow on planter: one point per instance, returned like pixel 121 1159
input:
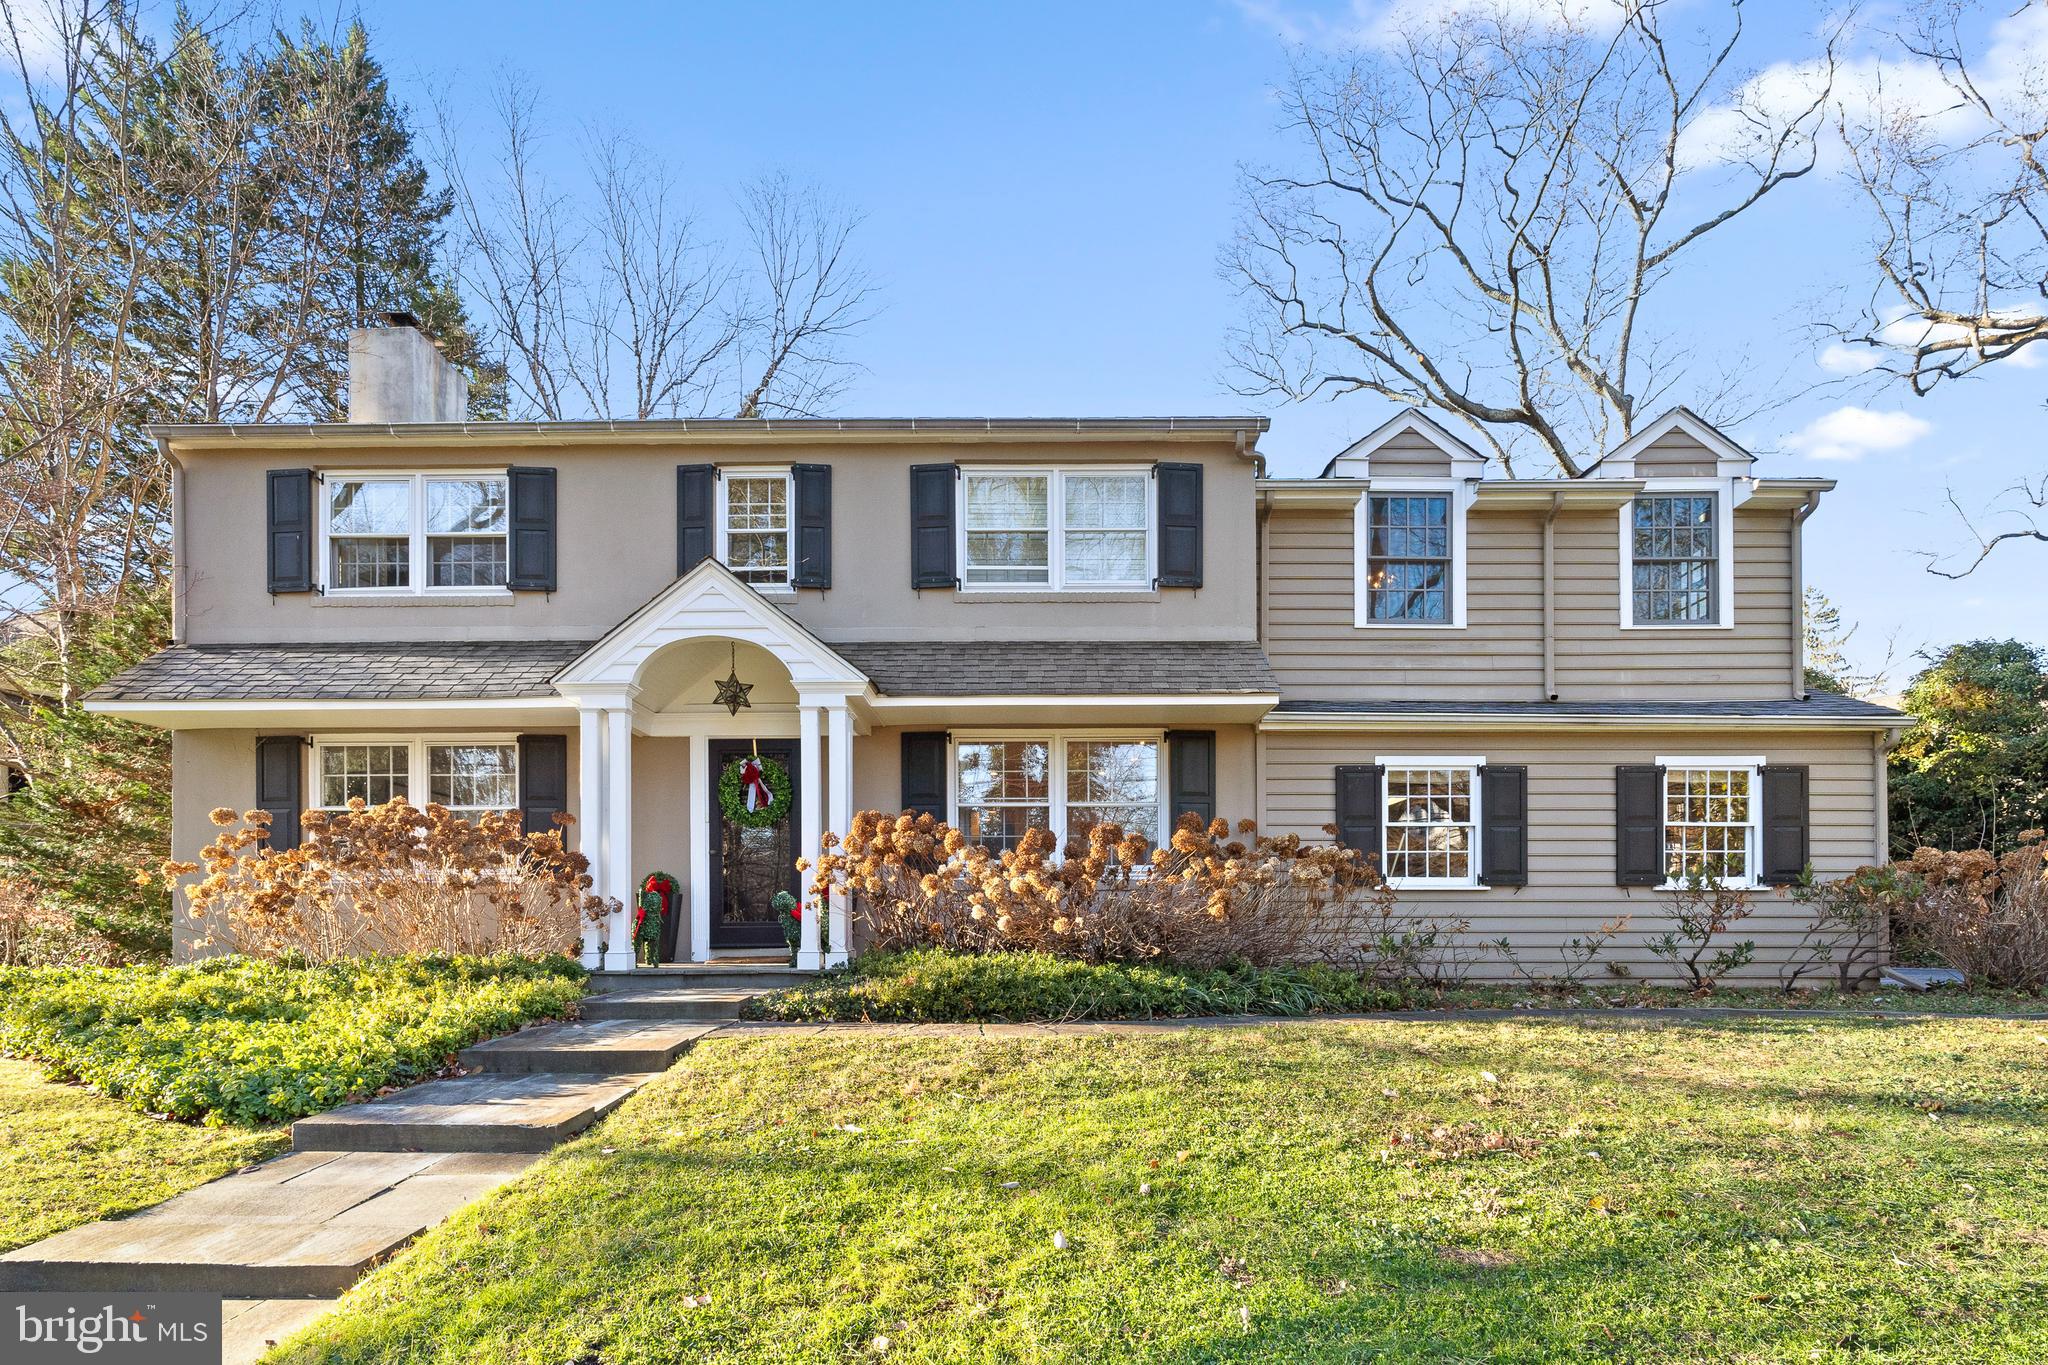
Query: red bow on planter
pixel 754 787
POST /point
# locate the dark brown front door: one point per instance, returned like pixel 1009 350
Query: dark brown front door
pixel 748 866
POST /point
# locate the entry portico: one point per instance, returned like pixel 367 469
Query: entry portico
pixel 647 678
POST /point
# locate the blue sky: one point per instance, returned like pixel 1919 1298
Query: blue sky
pixel 1046 189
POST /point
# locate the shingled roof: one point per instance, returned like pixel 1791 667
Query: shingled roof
pixel 450 669
pixel 1062 668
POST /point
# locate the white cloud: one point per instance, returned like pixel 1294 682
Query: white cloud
pixel 1850 433
pixel 1839 359
pixel 1380 23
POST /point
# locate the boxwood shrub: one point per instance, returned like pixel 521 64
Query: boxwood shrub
pixel 240 1040
pixel 931 985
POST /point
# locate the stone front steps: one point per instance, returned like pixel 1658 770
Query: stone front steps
pixel 605 1047
pixel 488 1113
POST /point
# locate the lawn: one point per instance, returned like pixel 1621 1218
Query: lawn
pixel 68 1156
pixel 1617 1188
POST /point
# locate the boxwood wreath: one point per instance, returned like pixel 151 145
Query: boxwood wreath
pixel 736 783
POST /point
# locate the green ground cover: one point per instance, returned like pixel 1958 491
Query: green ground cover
pixel 1637 1188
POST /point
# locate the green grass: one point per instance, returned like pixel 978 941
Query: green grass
pixel 236 1040
pixel 1641 1189
pixel 68 1156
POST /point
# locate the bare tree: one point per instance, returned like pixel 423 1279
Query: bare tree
pixel 1485 207
pixel 1948 150
pixel 612 302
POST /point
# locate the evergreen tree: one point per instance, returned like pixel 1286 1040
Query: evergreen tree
pixel 1973 770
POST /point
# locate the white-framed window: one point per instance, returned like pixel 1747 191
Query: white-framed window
pixel 1004 785
pixel 1409 554
pixel 1056 529
pixel 754 532
pixel 385 531
pixel 1677 556
pixel 1429 821
pixel 469 774
pixel 1711 809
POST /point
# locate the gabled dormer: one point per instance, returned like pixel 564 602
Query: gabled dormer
pixel 1410 551
pixel 1677 559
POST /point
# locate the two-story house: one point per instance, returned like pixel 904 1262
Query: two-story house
pixel 1533 700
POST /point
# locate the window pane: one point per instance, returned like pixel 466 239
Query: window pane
pixel 370 562
pixel 1106 557
pixel 473 776
pixel 374 772
pixel 1007 502
pixel 1001 827
pixel 1706 823
pixel 1408 558
pixel 757 504
pixel 467 561
pixel 1007 770
pixel 371 507
pixel 1430 831
pixel 471 506
pixel 1106 501
pixel 1675 550
pixel 1007 557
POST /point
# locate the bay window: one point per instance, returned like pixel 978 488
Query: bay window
pixel 417 533
pixel 1066 784
pixel 1056 529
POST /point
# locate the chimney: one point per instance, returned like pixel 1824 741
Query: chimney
pixel 397 374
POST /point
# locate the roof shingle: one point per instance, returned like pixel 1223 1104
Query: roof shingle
pixel 1061 668
pixel 451 669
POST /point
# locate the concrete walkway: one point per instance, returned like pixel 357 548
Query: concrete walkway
pixel 280 1240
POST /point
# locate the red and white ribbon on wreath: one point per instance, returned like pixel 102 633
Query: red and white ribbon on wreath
pixel 754 793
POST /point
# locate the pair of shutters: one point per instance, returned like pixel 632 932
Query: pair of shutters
pixel 810 521
pixel 1190 767
pixel 1503 814
pixel 281 783
pixel 1639 825
pixel 289 498
pixel 1177 497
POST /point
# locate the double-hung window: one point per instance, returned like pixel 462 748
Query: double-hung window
pixel 1675 559
pixel 753 526
pixel 415 533
pixel 1083 529
pixel 1430 829
pixel 1005 787
pixel 1409 565
pixel 469 776
pixel 1710 819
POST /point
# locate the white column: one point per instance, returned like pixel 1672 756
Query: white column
pixel 840 776
pixel 811 793
pixel 698 896
pixel 618 952
pixel 590 812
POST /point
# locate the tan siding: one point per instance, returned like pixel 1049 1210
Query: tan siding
pixel 1675 455
pixel 1319 653
pixel 1571 829
pixel 1410 455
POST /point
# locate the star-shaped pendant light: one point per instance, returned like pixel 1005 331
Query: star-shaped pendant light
pixel 732 693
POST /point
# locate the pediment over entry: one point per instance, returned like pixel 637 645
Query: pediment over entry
pixel 709 603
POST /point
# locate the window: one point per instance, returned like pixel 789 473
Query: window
pixel 1674 559
pixel 1709 819
pixel 1056 529
pixel 1408 558
pixel 1431 827
pixel 755 526
pixel 1068 785
pixel 466 775
pixel 380 526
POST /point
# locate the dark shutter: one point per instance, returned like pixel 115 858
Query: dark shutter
pixel 1179 493
pixel 931 526
pixel 288 493
pixel 1638 825
pixel 532 517
pixel 281 786
pixel 924 772
pixel 1191 768
pixel 1787 827
pixel 1359 806
pixel 696 486
pixel 543 781
pixel 812 494
pixel 1504 835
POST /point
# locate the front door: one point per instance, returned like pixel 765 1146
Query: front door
pixel 749 865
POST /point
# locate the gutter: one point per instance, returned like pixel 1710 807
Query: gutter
pixel 1550 596
pixel 1799 595
pixel 1480 720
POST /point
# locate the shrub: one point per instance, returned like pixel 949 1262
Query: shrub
pixel 237 1040
pixel 1982 913
pixel 389 878
pixel 34 933
pixel 1848 927
pixel 1202 900
pixel 932 985
pixel 1705 908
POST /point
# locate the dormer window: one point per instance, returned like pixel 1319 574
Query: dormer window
pixel 1408 558
pixel 1675 553
pixel 414 533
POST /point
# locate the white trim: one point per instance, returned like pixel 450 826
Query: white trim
pixel 1148 700
pixel 1056 742
pixel 1473 850
pixel 1753 844
pixel 1731 460
pixel 418 568
pixel 1337 722
pixel 721 475
pixel 1459 494
pixel 1724 554
pixel 1056 529
pixel 1466 462
pixel 1709 761
pixel 418 774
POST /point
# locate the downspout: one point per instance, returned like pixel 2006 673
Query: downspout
pixel 1550 596
pixel 163 445
pixel 1799 597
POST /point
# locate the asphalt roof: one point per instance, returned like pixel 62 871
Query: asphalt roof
pixel 963 668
